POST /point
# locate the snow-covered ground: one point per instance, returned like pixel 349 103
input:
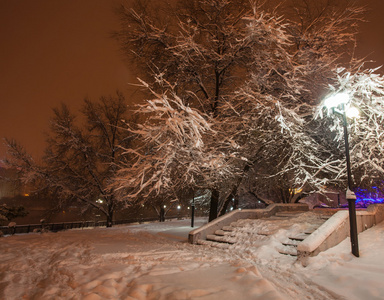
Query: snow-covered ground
pixel 154 261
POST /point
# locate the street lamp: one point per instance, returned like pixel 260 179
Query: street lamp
pixel 193 210
pixel 341 100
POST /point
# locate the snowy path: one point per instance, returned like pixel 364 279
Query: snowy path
pixel 153 261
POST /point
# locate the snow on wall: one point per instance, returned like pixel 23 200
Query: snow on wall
pixel 378 211
pixel 336 229
pixel 318 237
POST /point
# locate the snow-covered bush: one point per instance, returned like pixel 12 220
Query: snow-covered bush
pixel 8 213
pixel 12 225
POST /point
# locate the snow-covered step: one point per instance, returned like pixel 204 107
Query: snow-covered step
pixel 221 239
pixel 274 219
pixel 249 231
pixel 287 214
pixel 299 237
pixel 287 250
pixel 238 224
pixel 292 243
pixel 310 230
pixel 228 228
pixel 265 232
pixel 277 218
pixel 213 244
pixel 224 233
pixel 313 227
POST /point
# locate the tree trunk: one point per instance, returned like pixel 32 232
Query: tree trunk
pixel 227 201
pixel 162 214
pixel 234 192
pixel 214 205
pixel 217 93
pixel 282 196
pixel 109 213
pixel 110 219
pixel 265 201
pixel 225 206
pixel 236 203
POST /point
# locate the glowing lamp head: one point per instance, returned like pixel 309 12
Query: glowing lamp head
pixel 352 112
pixel 336 100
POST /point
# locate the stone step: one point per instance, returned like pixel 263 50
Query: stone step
pixel 310 230
pixel 265 233
pixel 299 237
pixel 213 244
pixel 239 224
pixel 287 250
pixel 292 243
pixel 221 239
pixel 235 225
pixel 228 228
pixel 252 230
pixel 224 233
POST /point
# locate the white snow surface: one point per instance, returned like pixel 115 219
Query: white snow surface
pixel 155 261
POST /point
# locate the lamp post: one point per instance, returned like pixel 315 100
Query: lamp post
pixel 335 101
pixel 193 210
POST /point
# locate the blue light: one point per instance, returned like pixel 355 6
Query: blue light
pixel 364 197
pixel 365 202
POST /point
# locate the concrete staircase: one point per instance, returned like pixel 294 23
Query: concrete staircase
pixel 304 238
pixel 257 232
pixel 289 245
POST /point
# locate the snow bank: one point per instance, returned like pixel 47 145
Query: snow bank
pixel 154 261
pixel 354 278
pixel 147 261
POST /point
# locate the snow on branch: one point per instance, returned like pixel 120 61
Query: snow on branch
pixel 176 149
pixel 366 93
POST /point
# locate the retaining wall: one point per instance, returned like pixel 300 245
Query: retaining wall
pixel 336 229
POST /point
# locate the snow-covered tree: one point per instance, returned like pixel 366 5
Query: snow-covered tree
pixel 366 93
pixel 324 36
pixel 274 110
pixel 206 47
pixel 207 51
pixel 247 71
pixel 8 213
pixel 310 139
pixel 80 160
pixel 178 151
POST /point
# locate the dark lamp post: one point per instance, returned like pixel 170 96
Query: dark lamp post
pixel 340 100
pixel 193 211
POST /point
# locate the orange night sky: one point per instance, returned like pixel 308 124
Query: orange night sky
pixel 54 51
